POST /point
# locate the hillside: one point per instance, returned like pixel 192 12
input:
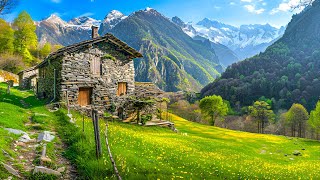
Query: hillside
pixel 197 151
pixel 172 59
pixel 286 73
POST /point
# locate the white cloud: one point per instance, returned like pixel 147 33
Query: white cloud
pixel 232 3
pixel 56 1
pixel 246 1
pixel 289 5
pixel 252 9
pixel 87 14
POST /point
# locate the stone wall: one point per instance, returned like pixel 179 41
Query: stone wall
pixel 46 80
pixel 27 78
pixel 76 73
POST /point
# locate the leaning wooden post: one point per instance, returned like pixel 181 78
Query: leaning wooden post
pixel 8 89
pixel 95 119
pixel 110 154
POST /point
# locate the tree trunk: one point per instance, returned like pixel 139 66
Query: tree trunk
pixel 212 120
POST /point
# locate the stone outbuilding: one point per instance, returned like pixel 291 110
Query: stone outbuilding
pixel 28 78
pixel 94 74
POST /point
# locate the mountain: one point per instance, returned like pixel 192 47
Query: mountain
pixel 57 31
pixel 110 21
pixel 287 72
pixel 246 40
pixel 225 55
pixel 172 59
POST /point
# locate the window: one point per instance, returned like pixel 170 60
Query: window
pixel 96 66
pixel 122 89
pixel 84 97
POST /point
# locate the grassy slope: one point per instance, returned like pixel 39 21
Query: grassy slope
pixel 14 115
pixel 197 152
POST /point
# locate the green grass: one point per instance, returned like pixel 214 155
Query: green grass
pixel 196 152
pixel 14 115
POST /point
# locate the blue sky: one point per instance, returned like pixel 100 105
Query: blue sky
pixel 235 12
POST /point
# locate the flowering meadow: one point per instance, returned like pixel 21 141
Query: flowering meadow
pixel 196 152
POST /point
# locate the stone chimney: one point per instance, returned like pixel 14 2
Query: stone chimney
pixel 94 32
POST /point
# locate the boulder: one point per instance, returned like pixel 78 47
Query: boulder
pixel 11 170
pixel 61 169
pixel 25 138
pixel 45 136
pixel 15 131
pixel 296 153
pixel 44 170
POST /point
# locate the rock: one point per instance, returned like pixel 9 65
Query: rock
pixel 11 170
pixel 296 153
pixel 291 159
pixel 44 170
pixel 45 136
pixel 25 138
pixel 9 178
pixel 7 154
pixel 61 169
pixel 45 159
pixel 15 131
pixel 22 144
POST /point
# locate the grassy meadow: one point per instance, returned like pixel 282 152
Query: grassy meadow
pixel 196 152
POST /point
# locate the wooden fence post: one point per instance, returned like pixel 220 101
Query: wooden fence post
pixel 95 119
pixel 116 171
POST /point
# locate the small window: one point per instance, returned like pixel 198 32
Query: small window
pixel 122 89
pixel 84 98
pixel 96 66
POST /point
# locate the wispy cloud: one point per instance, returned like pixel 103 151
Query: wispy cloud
pixel 286 6
pixel 87 14
pixel 252 9
pixel 56 1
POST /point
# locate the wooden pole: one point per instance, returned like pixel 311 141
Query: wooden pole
pixel 110 154
pixel 95 120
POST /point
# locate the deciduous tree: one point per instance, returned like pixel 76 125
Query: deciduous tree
pixel 213 107
pixel 7 5
pixel 6 37
pixel 297 117
pixel 25 36
pixel 314 119
pixel 262 113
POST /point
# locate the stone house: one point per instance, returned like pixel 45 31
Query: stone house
pixel 28 78
pixel 93 74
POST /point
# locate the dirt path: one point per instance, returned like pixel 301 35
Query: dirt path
pixel 29 153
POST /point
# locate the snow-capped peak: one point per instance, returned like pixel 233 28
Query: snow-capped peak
pixel 114 15
pixel 85 21
pixel 55 19
pixel 149 9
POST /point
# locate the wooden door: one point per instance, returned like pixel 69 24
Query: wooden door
pixel 84 97
pixel 122 89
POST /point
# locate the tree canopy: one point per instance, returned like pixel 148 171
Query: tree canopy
pixel 314 119
pixel 297 117
pixel 6 37
pixel 213 107
pixel 262 113
pixel 25 37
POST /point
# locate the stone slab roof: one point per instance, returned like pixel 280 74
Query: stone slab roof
pixel 27 70
pixel 108 37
